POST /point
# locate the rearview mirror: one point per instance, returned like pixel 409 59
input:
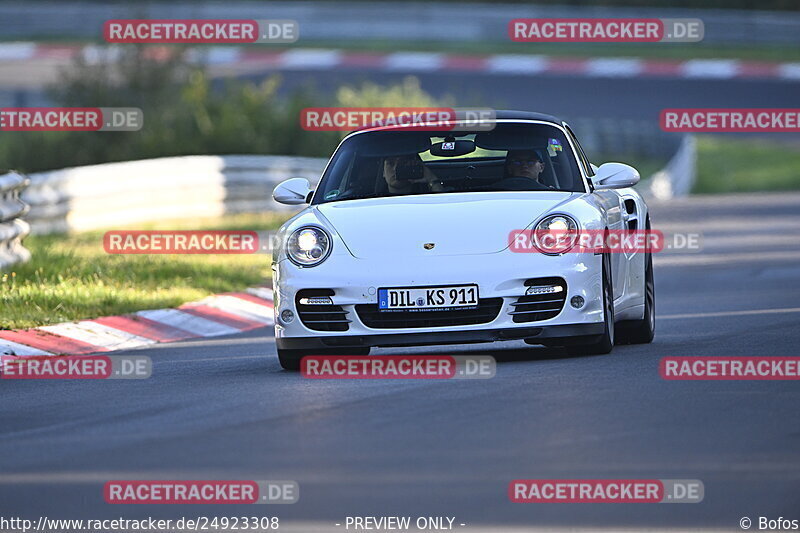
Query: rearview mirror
pixel 452 148
pixel 293 191
pixel 615 176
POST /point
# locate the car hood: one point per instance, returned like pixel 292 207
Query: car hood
pixel 457 223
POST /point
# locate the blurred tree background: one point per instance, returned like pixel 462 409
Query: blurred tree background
pixel 187 113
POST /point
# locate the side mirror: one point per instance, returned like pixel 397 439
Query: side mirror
pixel 293 191
pixel 615 176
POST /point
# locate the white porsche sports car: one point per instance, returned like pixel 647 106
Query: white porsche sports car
pixel 406 243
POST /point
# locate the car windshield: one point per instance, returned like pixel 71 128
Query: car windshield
pixel 511 157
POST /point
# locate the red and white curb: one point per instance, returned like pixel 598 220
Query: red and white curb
pixel 510 64
pixel 221 314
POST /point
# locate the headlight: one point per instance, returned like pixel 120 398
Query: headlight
pixel 308 246
pixel 555 234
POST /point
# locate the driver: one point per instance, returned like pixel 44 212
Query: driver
pixel 404 173
pixel 524 164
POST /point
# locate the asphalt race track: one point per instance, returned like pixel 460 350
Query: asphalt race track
pixel 223 409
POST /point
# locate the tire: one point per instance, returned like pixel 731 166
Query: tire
pixel 642 331
pixel 605 343
pixel 290 359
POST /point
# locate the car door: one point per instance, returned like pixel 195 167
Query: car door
pixel 612 204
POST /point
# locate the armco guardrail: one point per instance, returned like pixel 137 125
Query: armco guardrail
pixel 625 138
pixel 643 139
pixel 678 176
pixel 12 228
pixel 132 192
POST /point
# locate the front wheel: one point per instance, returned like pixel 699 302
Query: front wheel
pixel 605 343
pixel 290 359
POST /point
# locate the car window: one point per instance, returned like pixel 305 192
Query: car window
pixel 587 166
pixel 512 157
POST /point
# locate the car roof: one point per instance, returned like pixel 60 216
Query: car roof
pixel 526 115
pixel 499 115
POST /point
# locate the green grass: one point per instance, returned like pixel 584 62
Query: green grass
pixel 70 277
pixel 746 165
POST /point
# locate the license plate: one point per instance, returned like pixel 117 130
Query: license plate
pixel 428 298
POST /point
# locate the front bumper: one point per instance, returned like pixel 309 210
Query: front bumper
pixel 498 275
pixel 555 334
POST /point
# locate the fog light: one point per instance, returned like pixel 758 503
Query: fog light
pixel 287 316
pixel 316 300
pixel 577 302
pixel 543 289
